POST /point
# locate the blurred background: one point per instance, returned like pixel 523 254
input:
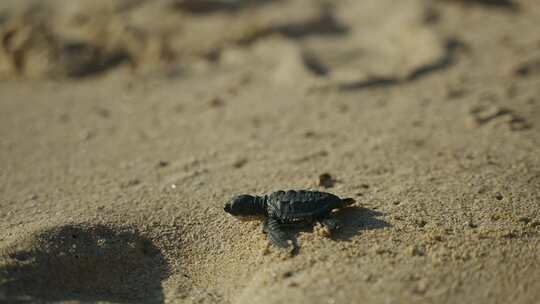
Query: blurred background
pixel 345 41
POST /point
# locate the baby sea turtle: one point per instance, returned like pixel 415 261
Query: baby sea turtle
pixel 291 208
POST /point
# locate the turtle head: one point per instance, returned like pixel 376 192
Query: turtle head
pixel 242 205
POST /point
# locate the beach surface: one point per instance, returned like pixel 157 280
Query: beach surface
pixel 125 126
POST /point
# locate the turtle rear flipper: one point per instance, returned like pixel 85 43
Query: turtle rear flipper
pixel 347 201
pixel 331 224
pixel 275 233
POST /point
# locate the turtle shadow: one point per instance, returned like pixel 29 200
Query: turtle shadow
pixel 352 221
pixel 83 263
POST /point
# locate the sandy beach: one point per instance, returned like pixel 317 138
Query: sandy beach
pixel 125 126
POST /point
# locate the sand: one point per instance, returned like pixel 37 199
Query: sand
pixel 125 127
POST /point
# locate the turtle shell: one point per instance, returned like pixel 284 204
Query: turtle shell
pixel 294 206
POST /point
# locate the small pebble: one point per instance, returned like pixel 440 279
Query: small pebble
pixel 217 102
pixel 326 180
pixel 431 15
pixel 309 134
pixel 471 224
pixel 293 284
pixel 437 237
pixel 455 92
pixel 131 182
pixel 163 163
pixel 239 163
pixel 102 112
pixel 420 222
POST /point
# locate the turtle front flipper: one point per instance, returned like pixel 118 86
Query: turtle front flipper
pixel 277 236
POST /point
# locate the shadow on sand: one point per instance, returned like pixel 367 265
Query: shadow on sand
pixel 355 219
pixel 352 220
pixel 83 263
